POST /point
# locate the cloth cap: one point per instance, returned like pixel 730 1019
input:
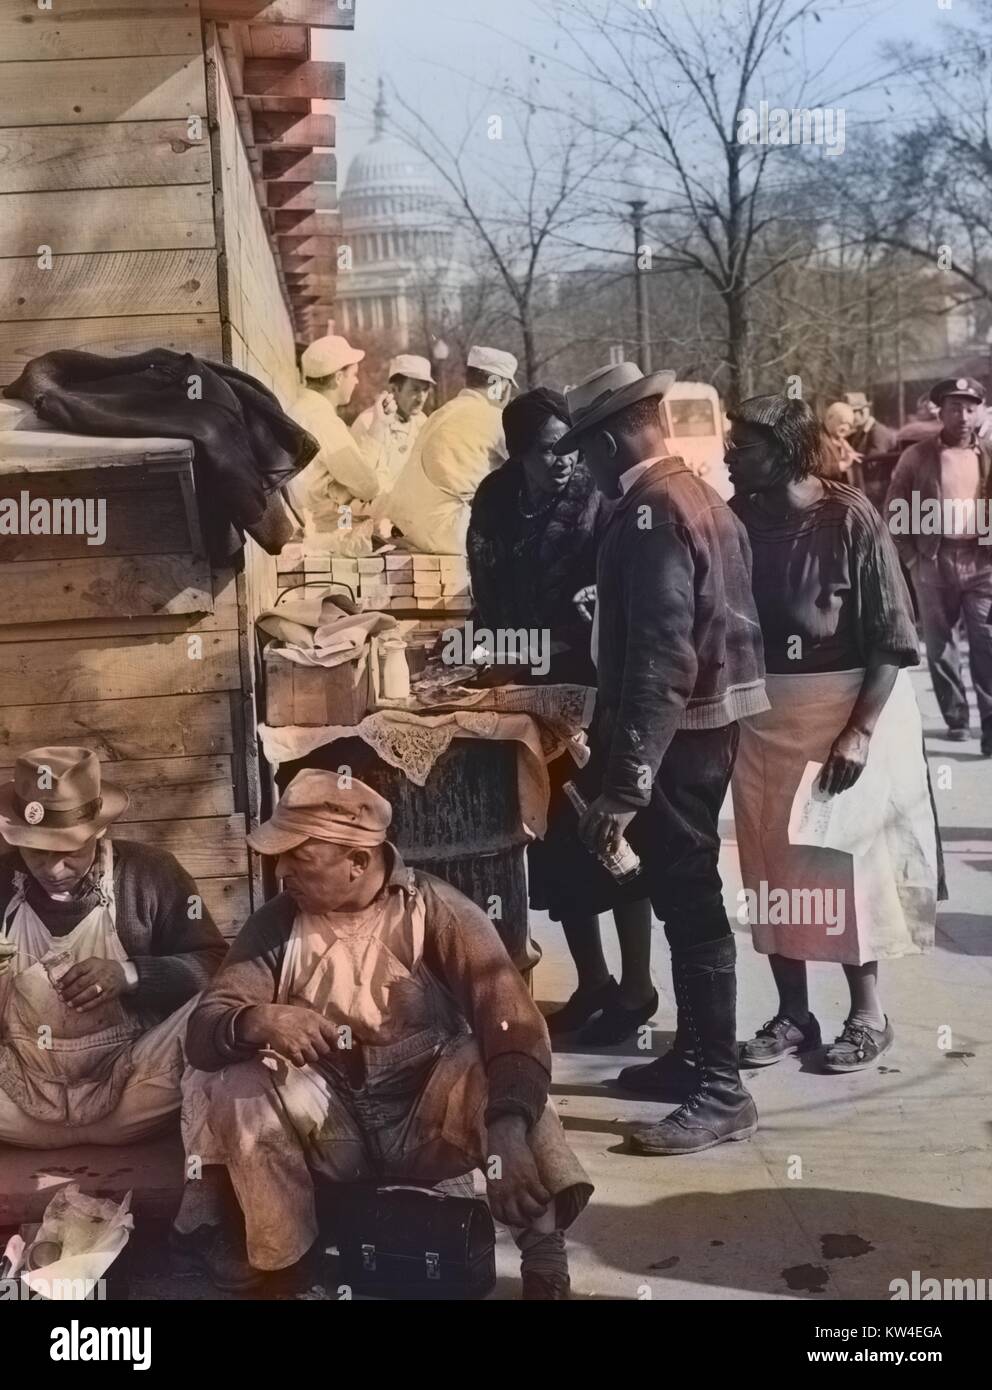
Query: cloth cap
pixel 965 386
pixel 315 806
pixel 486 359
pixel 58 800
pixel 416 368
pixel 325 356
pixel 606 392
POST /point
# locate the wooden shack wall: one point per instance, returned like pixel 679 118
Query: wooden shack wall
pixel 257 330
pixel 156 240
pixel 100 162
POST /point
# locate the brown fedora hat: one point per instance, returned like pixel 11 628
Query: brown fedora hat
pixel 606 392
pixel 58 800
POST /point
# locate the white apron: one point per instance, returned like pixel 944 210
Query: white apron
pixel 56 1064
pixel 889 906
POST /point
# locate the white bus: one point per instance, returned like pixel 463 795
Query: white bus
pixel 695 426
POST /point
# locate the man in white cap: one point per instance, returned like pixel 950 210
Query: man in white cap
pixel 431 501
pixel 342 476
pixel 368 1025
pixel 387 431
pixel 103 947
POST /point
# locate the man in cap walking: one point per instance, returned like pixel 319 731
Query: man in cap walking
pixel 103 947
pixel 679 661
pixel 943 540
pixel 341 480
pixel 431 502
pixel 368 1025
pixel 387 431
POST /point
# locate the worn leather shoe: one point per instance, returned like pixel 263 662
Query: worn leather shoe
pixel 858 1047
pixel 580 1008
pixel 702 1122
pixel 780 1037
pixel 617 1023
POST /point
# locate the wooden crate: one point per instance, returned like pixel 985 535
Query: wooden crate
pixel 315 695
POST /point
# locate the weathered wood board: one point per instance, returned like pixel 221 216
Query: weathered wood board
pixel 160 726
pixel 118 155
pixel 51 590
pixel 98 28
pixel 107 219
pixel 83 90
pixel 51 673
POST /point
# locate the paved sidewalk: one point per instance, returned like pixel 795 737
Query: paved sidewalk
pixel 895 1162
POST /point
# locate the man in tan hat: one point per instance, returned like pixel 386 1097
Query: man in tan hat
pixel 388 429
pixel 367 1025
pixel 343 474
pixel 431 501
pixel 103 947
pixel 679 661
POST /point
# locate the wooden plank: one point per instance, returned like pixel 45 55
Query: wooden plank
pixel 53 590
pixel 280 77
pixel 228 900
pixel 323 247
pixel 51 673
pixel 82 90
pixel 171 788
pixel 309 265
pixel 208 847
pixel 98 28
pixel 319 225
pixel 178 726
pixel 277 41
pixel 298 166
pixel 286 130
pixel 20 342
pixel 319 14
pixel 120 155
pixel 291 196
pixel 223 618
pixel 128 532
pixel 107 219
pixel 107 286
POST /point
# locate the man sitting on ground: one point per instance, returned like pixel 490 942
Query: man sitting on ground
pixel 367 1025
pixel 103 948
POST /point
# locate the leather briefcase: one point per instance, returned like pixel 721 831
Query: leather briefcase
pixel 415 1243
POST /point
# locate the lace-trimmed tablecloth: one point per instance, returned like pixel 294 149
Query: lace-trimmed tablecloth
pixel 413 742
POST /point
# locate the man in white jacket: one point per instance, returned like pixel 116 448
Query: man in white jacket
pixel 387 431
pixel 342 480
pixel 459 445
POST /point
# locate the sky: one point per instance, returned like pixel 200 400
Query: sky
pixel 442 53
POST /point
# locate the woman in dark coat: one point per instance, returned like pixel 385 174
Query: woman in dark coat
pixel 532 545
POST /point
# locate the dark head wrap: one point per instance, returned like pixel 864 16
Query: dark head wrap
pixel 524 417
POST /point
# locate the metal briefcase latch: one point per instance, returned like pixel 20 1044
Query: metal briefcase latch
pixel 368 1258
pixel 433 1261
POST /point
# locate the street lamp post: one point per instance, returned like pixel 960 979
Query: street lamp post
pixel 440 352
pixel 635 196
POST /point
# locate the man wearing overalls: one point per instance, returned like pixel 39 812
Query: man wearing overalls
pixel 103 948
pixel 367 1025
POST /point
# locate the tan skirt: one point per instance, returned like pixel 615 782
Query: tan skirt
pixel 811 903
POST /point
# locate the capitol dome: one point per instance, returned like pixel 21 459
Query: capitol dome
pixel 389 207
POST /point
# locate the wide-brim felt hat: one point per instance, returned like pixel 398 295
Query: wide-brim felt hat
pixel 58 800
pixel 606 392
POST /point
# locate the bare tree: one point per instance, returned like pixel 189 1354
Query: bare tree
pixel 514 223
pixel 670 82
